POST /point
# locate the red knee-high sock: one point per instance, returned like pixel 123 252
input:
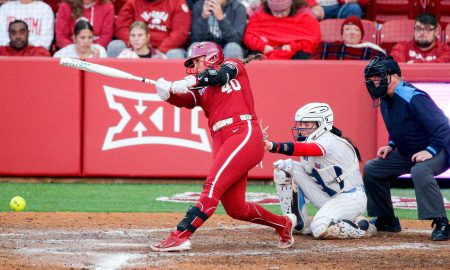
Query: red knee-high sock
pixel 259 215
pixel 207 206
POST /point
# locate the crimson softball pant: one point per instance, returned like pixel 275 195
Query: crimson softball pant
pixel 237 148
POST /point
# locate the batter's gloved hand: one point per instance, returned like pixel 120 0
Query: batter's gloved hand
pixel 163 88
pixel 182 86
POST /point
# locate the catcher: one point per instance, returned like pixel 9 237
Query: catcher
pixel 327 175
pixel 223 92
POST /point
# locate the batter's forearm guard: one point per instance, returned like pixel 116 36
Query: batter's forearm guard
pixel 217 77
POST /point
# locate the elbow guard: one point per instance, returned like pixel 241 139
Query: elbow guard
pixel 217 77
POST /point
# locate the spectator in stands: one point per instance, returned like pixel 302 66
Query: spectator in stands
pixel 99 13
pixel 251 6
pixel 38 16
pixel 191 3
pixel 83 47
pixel 139 40
pixel 169 23
pixel 118 4
pixel 18 44
pixel 352 47
pixel 53 4
pixel 419 144
pixel 426 47
pixel 283 29
pixel 220 21
pixel 336 9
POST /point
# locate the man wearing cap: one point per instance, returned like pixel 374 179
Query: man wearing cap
pixel 426 47
pixel 419 144
pixel 283 29
pixel 352 47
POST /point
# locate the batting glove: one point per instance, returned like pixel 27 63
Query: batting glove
pixel 182 86
pixel 163 88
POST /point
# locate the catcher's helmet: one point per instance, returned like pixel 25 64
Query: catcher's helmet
pixel 313 112
pixel 380 67
pixel 213 54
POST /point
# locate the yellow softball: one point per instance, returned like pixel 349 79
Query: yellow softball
pixel 17 203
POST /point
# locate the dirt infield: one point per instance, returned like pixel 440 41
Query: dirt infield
pixel 121 241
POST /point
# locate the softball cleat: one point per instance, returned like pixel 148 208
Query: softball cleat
pixel 172 243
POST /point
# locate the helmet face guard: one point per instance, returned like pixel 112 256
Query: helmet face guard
pixel 381 68
pixel 297 131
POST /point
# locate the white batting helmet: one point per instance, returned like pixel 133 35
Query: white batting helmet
pixel 314 112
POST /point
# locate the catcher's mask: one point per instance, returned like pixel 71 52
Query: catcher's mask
pixel 212 52
pixel 381 68
pixel 320 113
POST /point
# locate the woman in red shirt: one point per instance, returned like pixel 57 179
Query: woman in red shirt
pixel 99 13
pixel 283 29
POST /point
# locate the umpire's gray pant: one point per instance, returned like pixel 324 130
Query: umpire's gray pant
pixel 378 174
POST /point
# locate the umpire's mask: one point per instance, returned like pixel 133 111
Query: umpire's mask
pixel 380 68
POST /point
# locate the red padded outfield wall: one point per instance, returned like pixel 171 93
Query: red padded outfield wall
pixel 130 132
pixel 62 122
pixel 40 116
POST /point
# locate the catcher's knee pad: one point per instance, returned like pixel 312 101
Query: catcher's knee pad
pixel 319 226
pixel 191 214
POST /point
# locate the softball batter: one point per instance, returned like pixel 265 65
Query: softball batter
pixel 223 92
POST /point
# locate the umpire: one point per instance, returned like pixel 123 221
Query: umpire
pixel 419 143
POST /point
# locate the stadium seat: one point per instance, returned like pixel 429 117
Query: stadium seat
pixel 441 9
pixel 447 35
pixel 331 30
pixel 388 10
pixel 395 31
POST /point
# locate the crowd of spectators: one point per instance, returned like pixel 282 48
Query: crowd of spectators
pixel 279 29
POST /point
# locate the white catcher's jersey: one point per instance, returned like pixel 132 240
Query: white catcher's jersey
pixel 340 158
pixel 345 200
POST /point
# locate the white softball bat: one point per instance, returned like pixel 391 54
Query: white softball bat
pixel 100 69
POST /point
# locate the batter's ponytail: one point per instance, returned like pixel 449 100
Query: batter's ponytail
pixel 258 56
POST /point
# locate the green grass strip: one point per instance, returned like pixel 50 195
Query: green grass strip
pixel 79 197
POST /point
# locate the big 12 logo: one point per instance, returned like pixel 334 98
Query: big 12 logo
pixel 145 119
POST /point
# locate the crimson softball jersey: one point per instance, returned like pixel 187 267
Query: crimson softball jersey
pixel 221 102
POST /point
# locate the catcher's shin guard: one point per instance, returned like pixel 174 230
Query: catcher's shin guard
pixel 365 225
pixel 343 229
pixel 292 201
pixel 283 185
